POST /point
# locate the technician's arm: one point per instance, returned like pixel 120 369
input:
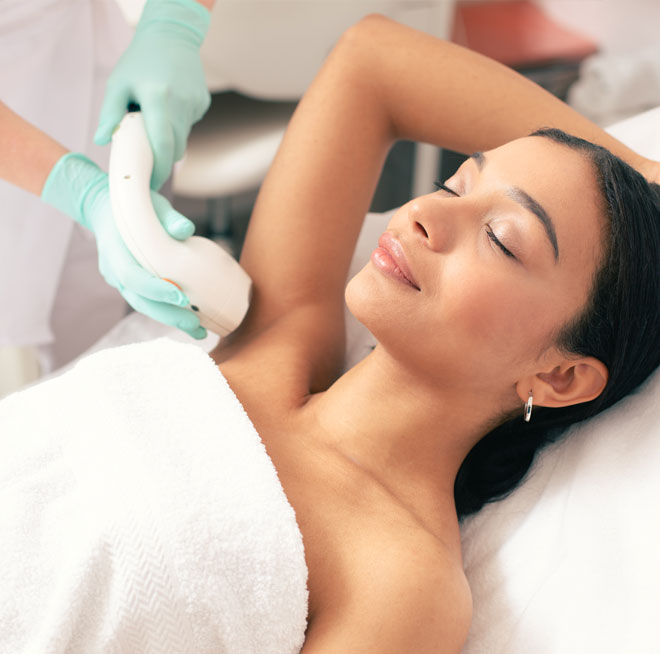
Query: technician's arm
pixel 27 155
pixel 76 186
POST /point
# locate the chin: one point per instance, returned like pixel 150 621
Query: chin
pixel 359 296
pixel 393 322
pixel 370 304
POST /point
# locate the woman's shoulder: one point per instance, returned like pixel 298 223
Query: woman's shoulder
pixel 405 591
pixel 425 573
pixel 378 574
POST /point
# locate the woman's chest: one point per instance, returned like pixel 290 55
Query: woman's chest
pixel 338 508
pixel 339 511
pixel 344 513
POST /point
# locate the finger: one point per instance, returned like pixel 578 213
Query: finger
pixel 175 223
pixel 108 274
pixel 114 256
pixel 198 333
pixel 167 314
pixel 181 133
pixel 114 107
pixel 131 275
pixel 204 105
pixel 161 138
pixel 140 281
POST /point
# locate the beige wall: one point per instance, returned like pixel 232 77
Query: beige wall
pixel 618 26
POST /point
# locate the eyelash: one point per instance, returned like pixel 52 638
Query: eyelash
pixel 491 235
pixel 441 187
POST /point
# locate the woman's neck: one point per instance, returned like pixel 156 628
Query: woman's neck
pixel 409 435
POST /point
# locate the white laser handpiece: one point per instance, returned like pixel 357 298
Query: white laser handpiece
pixel 218 288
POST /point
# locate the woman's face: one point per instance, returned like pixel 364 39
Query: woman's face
pixel 473 284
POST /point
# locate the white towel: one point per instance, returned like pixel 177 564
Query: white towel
pixel 613 86
pixel 140 513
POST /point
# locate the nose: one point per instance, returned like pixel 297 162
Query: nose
pixel 435 219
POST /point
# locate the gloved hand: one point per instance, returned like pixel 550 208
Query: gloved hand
pixel 79 188
pixel 161 70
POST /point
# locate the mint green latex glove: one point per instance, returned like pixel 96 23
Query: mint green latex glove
pixel 79 188
pixel 161 71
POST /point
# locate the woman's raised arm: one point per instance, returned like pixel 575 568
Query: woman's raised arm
pixel 441 93
pixel 382 82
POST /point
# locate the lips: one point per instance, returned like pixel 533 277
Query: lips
pixel 394 256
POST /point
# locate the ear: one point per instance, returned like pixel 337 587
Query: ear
pixel 572 381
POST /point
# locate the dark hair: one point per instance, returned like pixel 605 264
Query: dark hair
pixel 620 326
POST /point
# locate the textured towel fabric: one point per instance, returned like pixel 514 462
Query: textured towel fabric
pixel 613 86
pixel 140 512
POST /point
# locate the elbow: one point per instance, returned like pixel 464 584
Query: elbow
pixel 368 28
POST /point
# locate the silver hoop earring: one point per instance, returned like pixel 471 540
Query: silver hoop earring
pixel 528 407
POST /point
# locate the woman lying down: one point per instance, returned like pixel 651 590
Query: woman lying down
pixel 154 499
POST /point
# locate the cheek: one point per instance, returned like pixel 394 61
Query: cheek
pixel 486 310
pixel 493 317
pixel 479 321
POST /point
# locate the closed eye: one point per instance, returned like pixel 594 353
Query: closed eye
pixel 492 237
pixel 441 187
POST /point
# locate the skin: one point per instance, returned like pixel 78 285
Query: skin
pixel 368 459
pixel 379 449
pixel 475 298
pixel 27 155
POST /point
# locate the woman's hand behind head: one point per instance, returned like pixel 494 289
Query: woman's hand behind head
pixel 651 171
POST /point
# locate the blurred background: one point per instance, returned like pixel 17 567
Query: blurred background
pixel 601 56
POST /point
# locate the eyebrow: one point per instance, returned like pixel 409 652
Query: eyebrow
pixel 527 202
